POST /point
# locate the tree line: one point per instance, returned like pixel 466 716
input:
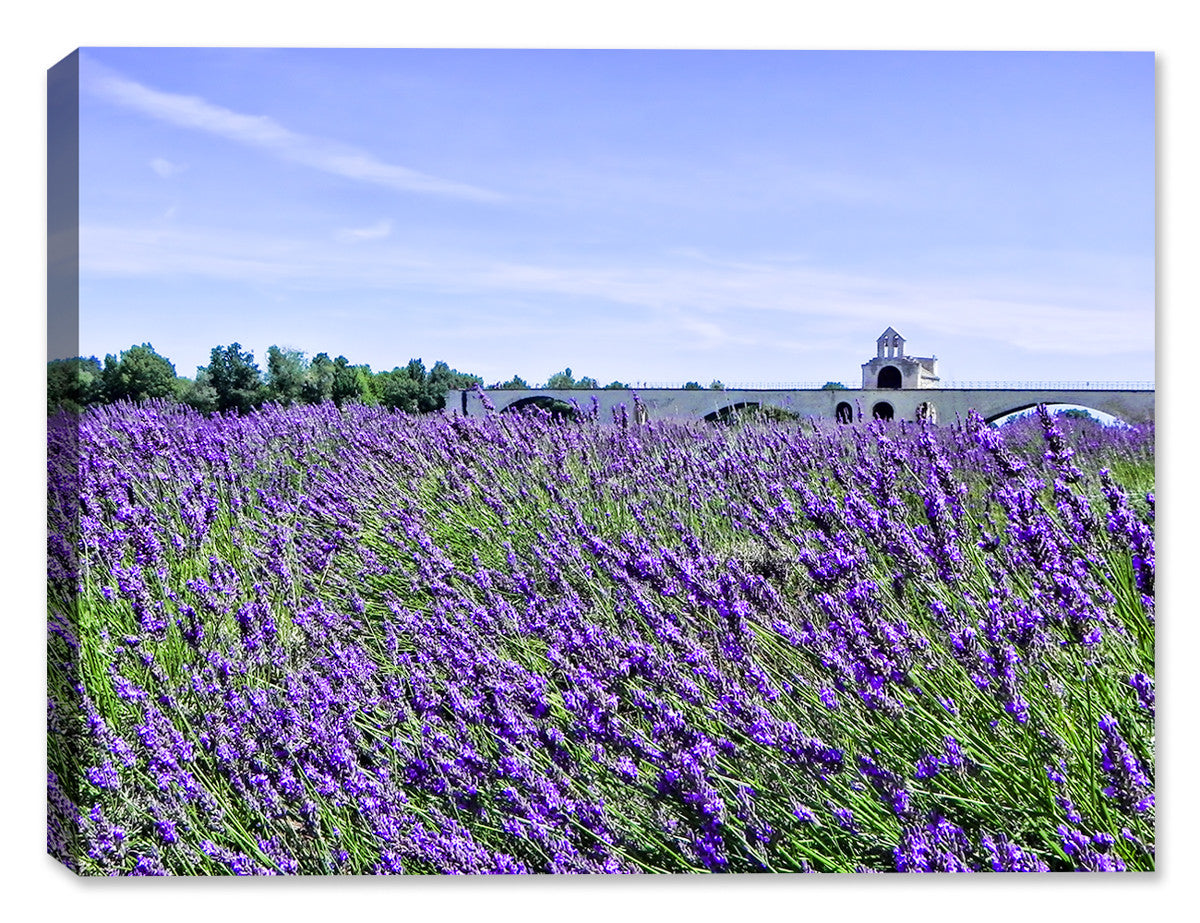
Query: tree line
pixel 233 381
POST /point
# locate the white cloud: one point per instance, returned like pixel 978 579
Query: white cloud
pixel 266 134
pixel 375 231
pixel 165 168
pixel 703 304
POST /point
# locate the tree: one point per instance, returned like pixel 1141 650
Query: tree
pixel 199 394
pixel 235 377
pixel 318 383
pixel 344 386
pixel 452 378
pixel 441 379
pixel 717 385
pixel 73 383
pixel 516 383
pixel 833 386
pixel 396 390
pixel 366 385
pixel 428 396
pixel 617 386
pixel 286 371
pixel 563 379
pixel 693 386
pixel 139 374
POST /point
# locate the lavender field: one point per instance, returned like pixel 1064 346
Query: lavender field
pixel 322 641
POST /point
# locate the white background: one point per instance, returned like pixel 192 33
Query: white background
pixel 39 36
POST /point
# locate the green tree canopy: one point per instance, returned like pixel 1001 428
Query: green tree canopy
pixel 286 373
pixel 516 383
pixel 198 394
pixel 318 382
pixel 833 386
pixel 693 386
pixel 563 379
pixel 345 386
pixel 235 377
pixel 397 390
pixel 73 383
pixel 139 374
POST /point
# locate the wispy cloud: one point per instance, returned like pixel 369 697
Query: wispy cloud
pixel 705 304
pixel 266 134
pixel 165 168
pixel 375 231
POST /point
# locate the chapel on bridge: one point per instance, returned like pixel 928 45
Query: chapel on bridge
pixel 892 370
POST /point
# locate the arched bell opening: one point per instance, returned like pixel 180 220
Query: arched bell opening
pixel 889 377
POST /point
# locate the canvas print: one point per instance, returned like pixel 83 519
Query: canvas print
pixel 608 461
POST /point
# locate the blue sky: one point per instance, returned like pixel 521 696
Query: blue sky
pixel 637 215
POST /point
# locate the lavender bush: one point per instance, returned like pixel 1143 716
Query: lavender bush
pixel 312 641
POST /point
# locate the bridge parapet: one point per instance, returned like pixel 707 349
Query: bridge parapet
pixel 943 385
pixel 1049 385
pixel 1133 405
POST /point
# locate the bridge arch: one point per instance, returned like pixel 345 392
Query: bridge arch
pixel 1052 406
pixel 552 405
pixel 732 412
pixel 728 413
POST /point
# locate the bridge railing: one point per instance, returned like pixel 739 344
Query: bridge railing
pixel 735 385
pixel 1050 385
pixel 963 385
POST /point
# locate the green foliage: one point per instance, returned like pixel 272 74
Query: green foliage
pixel 286 371
pixel 235 377
pixel 397 391
pixel 833 386
pixel 199 394
pixel 413 390
pixel 516 383
pixel 318 383
pixel 442 374
pixel 345 385
pixel 717 385
pixel 617 386
pixel 73 383
pixel 563 379
pixel 232 381
pixel 693 386
pixel 139 374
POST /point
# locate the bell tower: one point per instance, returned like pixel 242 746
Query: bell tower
pixel 892 370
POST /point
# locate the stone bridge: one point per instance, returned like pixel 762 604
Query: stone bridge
pixel 1132 405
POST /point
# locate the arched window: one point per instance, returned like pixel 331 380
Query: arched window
pixel 889 377
pixel 883 411
pixel 844 413
pixel 927 412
